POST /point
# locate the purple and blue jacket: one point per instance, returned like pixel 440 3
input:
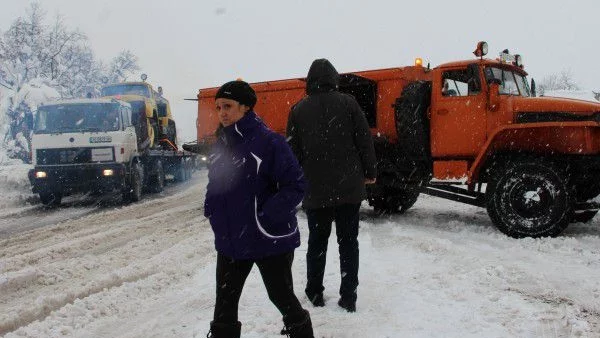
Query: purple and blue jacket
pixel 254 186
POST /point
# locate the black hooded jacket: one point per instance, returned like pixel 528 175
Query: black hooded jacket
pixel 330 136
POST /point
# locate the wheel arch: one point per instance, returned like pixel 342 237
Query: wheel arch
pixel 533 139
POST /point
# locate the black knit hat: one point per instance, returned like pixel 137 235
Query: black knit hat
pixel 239 91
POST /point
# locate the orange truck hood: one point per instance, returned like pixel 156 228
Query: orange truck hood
pixel 553 104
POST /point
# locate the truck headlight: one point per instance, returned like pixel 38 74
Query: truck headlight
pixel 107 172
pixel 41 174
pixel 203 158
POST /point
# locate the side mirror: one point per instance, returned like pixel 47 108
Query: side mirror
pixel 533 91
pixel 494 81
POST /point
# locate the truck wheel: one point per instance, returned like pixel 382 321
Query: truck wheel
pixel 51 199
pixel 530 198
pixel 134 190
pixel 189 169
pixel 180 171
pixel 157 181
pixel 397 201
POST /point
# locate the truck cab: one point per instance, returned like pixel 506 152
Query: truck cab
pixel 81 145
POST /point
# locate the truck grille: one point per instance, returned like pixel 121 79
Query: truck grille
pixel 74 155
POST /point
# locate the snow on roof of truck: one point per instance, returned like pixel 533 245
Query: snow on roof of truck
pixel 86 101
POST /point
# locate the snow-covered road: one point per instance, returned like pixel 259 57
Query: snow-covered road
pixel 442 269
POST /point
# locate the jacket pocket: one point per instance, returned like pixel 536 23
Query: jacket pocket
pixel 271 229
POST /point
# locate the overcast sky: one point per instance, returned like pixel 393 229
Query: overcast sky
pixel 184 45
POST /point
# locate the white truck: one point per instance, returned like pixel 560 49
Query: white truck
pixel 91 145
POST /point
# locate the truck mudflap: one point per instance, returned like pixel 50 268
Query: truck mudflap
pixel 66 179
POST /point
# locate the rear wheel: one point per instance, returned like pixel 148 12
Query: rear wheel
pixel 396 201
pixel 157 180
pixel 531 198
pixel 51 199
pixel 181 170
pixel 189 169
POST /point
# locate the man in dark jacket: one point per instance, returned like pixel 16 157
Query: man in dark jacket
pixel 254 187
pixel 330 136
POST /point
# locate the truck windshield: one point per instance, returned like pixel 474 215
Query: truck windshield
pixel 126 89
pixel 511 83
pixel 69 118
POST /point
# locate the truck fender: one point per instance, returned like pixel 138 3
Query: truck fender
pixel 503 137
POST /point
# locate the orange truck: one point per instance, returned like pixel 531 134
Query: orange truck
pixel 471 131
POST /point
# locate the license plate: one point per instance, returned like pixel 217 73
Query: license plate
pixel 102 154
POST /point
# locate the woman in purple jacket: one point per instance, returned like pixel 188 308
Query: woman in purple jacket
pixel 254 186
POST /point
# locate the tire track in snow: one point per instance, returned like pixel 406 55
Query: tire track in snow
pixel 54 302
pixel 93 253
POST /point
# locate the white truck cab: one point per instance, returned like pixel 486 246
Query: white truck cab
pixel 82 145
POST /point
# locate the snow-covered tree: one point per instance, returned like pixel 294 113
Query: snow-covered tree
pixel 562 81
pixel 122 66
pixel 52 59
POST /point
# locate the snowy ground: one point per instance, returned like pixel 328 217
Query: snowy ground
pixel 147 270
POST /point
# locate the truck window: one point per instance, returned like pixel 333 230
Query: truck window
pixel 523 85
pixel 459 83
pixel 511 83
pixel 126 113
pixel 67 118
pixel 161 105
pixel 126 89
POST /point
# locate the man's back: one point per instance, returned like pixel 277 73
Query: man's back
pixel 330 136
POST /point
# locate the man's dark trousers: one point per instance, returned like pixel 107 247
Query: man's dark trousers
pixel 276 272
pixel 346 219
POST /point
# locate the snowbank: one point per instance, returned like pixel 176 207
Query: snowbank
pixel 15 189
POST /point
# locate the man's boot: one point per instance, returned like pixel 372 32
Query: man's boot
pixel 300 328
pixel 224 330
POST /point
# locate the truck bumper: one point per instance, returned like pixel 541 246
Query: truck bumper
pixel 68 179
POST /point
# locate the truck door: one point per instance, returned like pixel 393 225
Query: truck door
pixel 130 142
pixel 458 113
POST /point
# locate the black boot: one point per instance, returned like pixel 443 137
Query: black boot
pixel 347 304
pixel 298 329
pixel 316 299
pixel 224 330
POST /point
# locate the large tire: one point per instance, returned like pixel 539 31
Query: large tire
pixel 189 168
pixel 156 182
pixel 530 198
pixel 133 192
pixel 412 123
pixel 51 199
pixel 392 202
pixel 180 170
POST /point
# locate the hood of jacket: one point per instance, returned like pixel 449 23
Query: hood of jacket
pixel 322 77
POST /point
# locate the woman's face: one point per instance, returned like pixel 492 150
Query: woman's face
pixel 229 111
